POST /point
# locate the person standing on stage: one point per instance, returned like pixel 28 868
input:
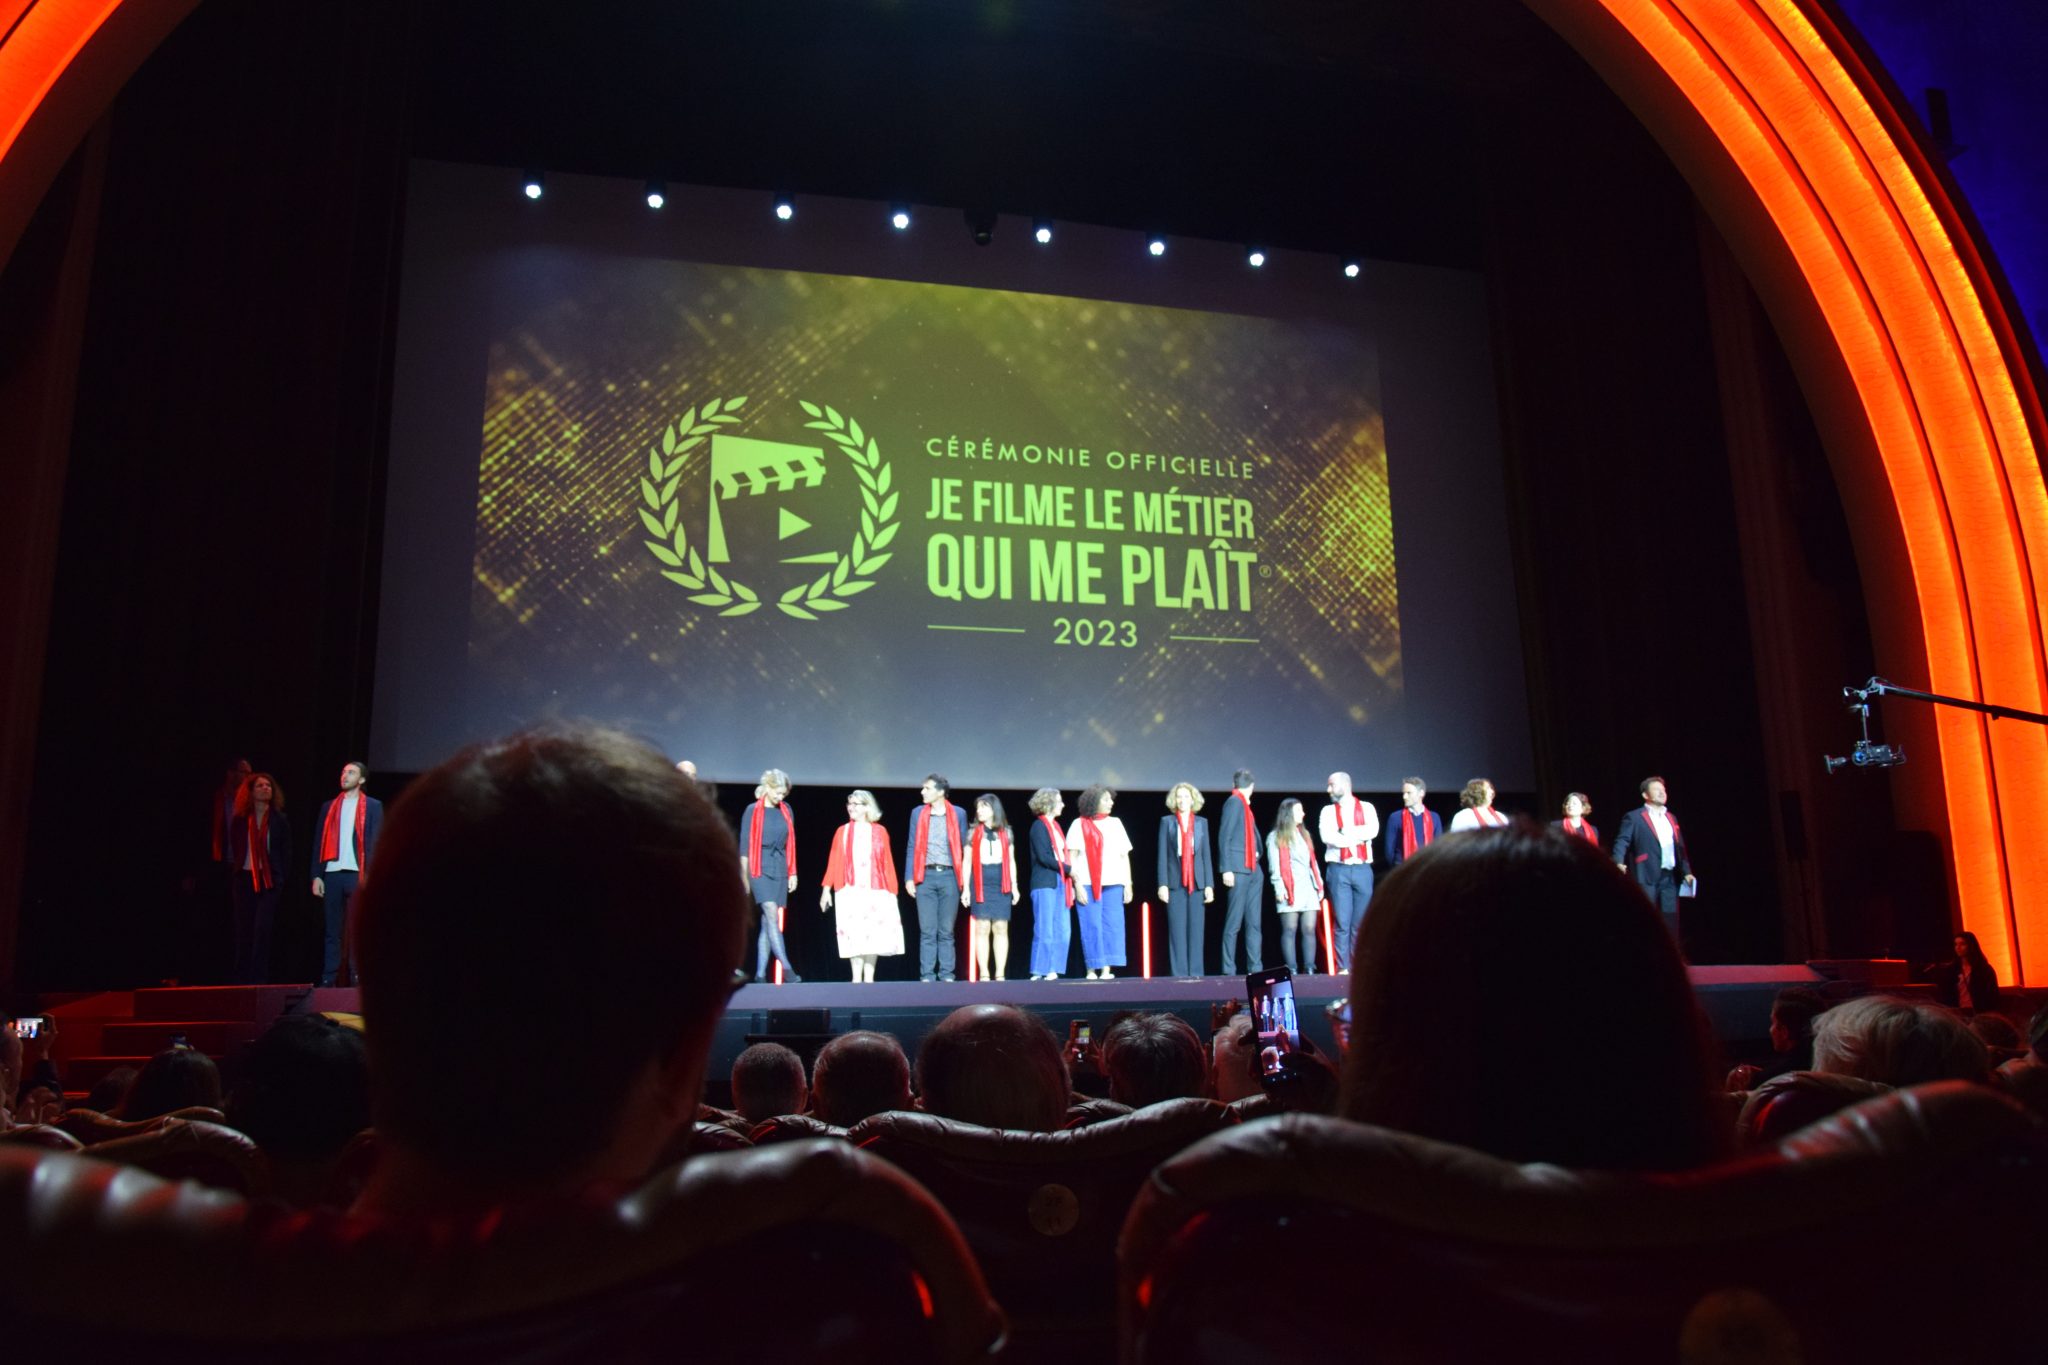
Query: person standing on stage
pixel 1101 850
pixel 1414 829
pixel 260 852
pixel 1237 853
pixel 349 823
pixel 1577 806
pixel 931 876
pixel 1187 878
pixel 992 887
pixel 1052 889
pixel 1650 848
pixel 768 858
pixel 1476 808
pixel 1297 883
pixel 1348 827
pixel 860 878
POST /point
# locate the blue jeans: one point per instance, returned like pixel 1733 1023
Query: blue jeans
pixel 1102 929
pixel 938 909
pixel 1052 931
pixel 1350 887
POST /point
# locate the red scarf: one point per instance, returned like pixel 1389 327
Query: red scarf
pixel 1091 840
pixel 1251 847
pixel 924 828
pixel 1352 855
pixel 756 816
pixel 1285 857
pixel 257 830
pixel 1488 817
pixel 330 830
pixel 1408 823
pixel 1002 834
pixel 1059 854
pixel 1187 851
pixel 839 867
pixel 1583 831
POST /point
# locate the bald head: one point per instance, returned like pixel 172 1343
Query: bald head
pixel 858 1075
pixel 994 1065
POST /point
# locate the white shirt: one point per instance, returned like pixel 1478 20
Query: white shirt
pixel 1471 817
pixel 1116 855
pixel 347 843
pixel 861 854
pixel 1661 823
pixel 1361 827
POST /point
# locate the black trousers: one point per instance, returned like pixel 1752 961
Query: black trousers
pixel 938 909
pixel 1247 905
pixel 341 890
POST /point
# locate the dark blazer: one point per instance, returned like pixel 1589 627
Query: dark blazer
pixel 1045 868
pixel 1230 838
pixel 280 845
pixel 373 821
pixel 1390 849
pixel 1637 850
pixel 1592 834
pixel 916 874
pixel 1169 853
pixel 1946 977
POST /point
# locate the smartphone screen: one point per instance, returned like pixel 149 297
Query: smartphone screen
pixel 28 1026
pixel 1084 1035
pixel 1270 997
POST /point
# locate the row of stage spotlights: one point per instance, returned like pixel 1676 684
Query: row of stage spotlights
pixel 980 225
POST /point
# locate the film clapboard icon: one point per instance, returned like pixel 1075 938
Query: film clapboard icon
pixel 744 467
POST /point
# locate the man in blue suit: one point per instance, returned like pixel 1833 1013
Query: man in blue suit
pixel 1650 848
pixel 931 876
pixel 345 836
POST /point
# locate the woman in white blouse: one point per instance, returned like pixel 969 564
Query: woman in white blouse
pixel 1101 851
pixel 861 878
pixel 1478 812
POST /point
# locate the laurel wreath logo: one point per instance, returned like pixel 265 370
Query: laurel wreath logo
pixel 851 574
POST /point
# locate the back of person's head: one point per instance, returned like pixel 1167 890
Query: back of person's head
pixel 767 1080
pixel 1154 1057
pixel 175 1079
pixel 1793 1011
pixel 105 1095
pixel 1996 1031
pixel 858 1075
pixel 1898 1042
pixel 569 882
pixel 994 1065
pixel 303 1088
pixel 1495 965
pixel 2037 1034
pixel 1236 1046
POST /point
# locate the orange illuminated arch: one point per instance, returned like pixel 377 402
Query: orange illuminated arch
pixel 1874 277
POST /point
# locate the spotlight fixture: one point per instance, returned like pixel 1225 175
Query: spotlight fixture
pixel 532 185
pixel 785 207
pixel 899 218
pixel 981 225
pixel 1041 231
pixel 1255 258
pixel 1157 246
pixel 657 194
pixel 1351 270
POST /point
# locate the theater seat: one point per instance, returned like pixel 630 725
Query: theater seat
pixel 2026 1080
pixel 209 1153
pixel 809 1251
pixel 91 1127
pixel 793 1128
pixel 1903 1229
pixel 1087 1110
pixel 46 1136
pixel 1784 1104
pixel 1042 1210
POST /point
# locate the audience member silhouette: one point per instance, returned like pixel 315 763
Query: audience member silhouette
pixel 858 1075
pixel 994 1065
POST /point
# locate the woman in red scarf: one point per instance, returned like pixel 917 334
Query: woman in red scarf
pixel 861 879
pixel 1577 806
pixel 1298 883
pixel 1187 878
pixel 768 857
pixel 1478 811
pixel 259 855
pixel 1101 849
pixel 992 883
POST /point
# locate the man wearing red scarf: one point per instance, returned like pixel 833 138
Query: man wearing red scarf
pixel 931 875
pixel 1348 826
pixel 1413 828
pixel 348 827
pixel 1650 848
pixel 1238 856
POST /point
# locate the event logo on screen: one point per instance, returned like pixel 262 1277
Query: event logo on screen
pixel 745 470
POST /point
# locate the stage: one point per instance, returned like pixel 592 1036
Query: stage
pixel 107 1029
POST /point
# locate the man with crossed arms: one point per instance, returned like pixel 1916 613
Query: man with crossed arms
pixel 1348 827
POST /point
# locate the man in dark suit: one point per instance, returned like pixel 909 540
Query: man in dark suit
pixel 1412 828
pixel 1650 847
pixel 342 841
pixel 1238 854
pixel 932 856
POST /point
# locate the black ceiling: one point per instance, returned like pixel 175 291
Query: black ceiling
pixel 1325 125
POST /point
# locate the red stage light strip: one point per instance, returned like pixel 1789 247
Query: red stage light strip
pixel 46 37
pixel 1329 941
pixel 1145 935
pixel 781 923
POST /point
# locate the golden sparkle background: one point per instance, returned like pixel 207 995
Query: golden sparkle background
pixel 570 613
